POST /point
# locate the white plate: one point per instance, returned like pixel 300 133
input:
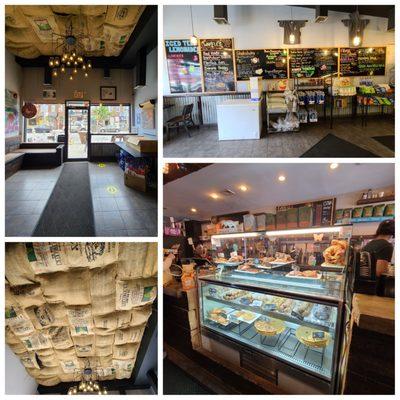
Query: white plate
pixel 247 272
pixel 250 321
pixel 325 264
pixel 281 263
pixel 304 277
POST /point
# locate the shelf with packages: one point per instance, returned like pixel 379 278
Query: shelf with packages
pixel 382 96
pixel 279 295
pixel 312 93
pixel 282 111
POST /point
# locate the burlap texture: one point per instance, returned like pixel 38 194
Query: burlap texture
pixel 70 304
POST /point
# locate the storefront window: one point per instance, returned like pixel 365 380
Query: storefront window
pixel 47 125
pixel 108 123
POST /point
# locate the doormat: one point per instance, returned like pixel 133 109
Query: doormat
pixel 387 141
pixel 69 210
pixel 332 146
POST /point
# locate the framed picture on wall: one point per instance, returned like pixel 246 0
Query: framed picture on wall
pixel 108 93
pixel 49 94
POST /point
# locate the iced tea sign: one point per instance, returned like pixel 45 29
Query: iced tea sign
pixel 183 64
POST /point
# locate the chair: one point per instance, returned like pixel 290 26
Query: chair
pixel 184 119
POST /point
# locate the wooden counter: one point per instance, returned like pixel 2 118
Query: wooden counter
pixel 370 349
pixel 374 313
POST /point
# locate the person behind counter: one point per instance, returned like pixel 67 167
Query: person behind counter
pixel 380 249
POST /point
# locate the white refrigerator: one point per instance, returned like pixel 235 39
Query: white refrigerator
pixel 239 119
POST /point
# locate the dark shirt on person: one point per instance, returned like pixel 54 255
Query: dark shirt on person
pixel 380 248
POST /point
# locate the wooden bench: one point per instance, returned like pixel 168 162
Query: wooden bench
pixel 13 163
pixel 41 154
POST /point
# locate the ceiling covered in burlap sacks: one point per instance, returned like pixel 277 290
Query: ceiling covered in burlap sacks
pixel 71 306
pixel 30 30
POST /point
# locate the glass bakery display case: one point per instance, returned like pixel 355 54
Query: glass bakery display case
pixel 281 304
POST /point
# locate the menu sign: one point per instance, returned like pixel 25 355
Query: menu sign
pixel 218 68
pixel 363 61
pixel 183 64
pixel 322 211
pixel 313 63
pixel 267 63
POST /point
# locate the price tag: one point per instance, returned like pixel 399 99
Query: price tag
pixel 256 303
pixel 233 318
pixel 234 254
pixel 269 307
pixel 190 241
pixel 221 255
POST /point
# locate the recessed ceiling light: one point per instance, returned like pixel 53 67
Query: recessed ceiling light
pixel 193 210
pixel 281 178
pixel 333 165
pixel 243 188
pixel 214 195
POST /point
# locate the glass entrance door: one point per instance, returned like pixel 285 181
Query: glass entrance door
pixel 77 133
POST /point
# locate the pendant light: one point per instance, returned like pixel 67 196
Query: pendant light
pixel 292 36
pixel 357 37
pixel 193 38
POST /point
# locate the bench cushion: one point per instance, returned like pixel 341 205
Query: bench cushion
pixel 37 151
pixel 12 156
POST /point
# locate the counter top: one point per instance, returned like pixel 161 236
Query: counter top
pixel 374 313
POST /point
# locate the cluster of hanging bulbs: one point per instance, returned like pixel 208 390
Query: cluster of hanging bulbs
pixel 71 61
pixel 88 387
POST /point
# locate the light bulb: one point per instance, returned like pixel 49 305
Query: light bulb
pixel 356 40
pixel 75 71
pixel 68 63
pixel 71 77
pixel 62 68
pixel 83 66
pixel 86 74
pixel 89 64
pixel 51 62
pixel 193 40
pixel 54 72
pixel 292 38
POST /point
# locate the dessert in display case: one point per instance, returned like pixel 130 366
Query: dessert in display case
pixel 275 306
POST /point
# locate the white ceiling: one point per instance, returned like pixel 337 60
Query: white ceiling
pixel 304 182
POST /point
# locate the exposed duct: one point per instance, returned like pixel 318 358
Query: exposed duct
pixel 221 15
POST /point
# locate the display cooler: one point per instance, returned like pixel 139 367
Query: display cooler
pixel 275 307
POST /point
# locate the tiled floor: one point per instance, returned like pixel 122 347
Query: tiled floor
pixel 118 210
pixel 27 193
pixel 204 141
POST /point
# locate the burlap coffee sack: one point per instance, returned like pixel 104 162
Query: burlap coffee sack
pixel 51 380
pixel 38 340
pixel 70 377
pixel 14 342
pixel 123 368
pixel 48 358
pixel 60 337
pixel 46 352
pixel 18 321
pixel 110 322
pixel 81 320
pixel 66 354
pixel 71 366
pixel 28 359
pixel 84 345
pixel 102 290
pixel 140 315
pixel 92 255
pixel 18 270
pixel 134 293
pixel 131 260
pixel 103 340
pixel 125 351
pixel 106 361
pixel 129 335
pixel 47 257
pixel 48 315
pixel 28 295
pixel 70 287
pixel 104 351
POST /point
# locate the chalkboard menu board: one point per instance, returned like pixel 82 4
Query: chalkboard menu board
pixel 218 68
pixel 267 63
pixel 313 63
pixel 322 210
pixel 183 64
pixel 363 61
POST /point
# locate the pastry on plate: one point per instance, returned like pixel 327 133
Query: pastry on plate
pixel 270 328
pixel 312 337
